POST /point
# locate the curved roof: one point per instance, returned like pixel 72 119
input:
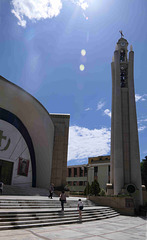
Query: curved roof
pixel 2 78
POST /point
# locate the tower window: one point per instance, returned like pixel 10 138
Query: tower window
pixel 122 55
pixel 123 76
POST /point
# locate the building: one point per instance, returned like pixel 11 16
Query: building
pixel 125 158
pixel 33 143
pixel 77 177
pixel 97 168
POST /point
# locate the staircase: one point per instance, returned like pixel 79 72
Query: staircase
pixel 27 212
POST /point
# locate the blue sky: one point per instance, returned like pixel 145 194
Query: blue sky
pixel 40 48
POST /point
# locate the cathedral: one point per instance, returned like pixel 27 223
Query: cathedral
pixel 33 142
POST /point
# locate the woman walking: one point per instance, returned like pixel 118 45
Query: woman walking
pixel 80 208
pixel 63 200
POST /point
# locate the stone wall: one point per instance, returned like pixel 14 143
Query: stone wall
pixel 59 162
pixel 124 205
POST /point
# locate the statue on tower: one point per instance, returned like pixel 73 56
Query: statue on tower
pixel 122 35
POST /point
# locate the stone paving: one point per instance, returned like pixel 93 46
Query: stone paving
pixel 117 228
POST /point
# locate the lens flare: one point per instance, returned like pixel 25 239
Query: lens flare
pixel 82 67
pixel 83 52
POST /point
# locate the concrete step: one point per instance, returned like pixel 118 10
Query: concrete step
pixel 31 218
pixel 51 203
pixel 54 213
pixel 46 220
pixel 4 220
pixel 68 217
pixel 39 211
pixel 45 224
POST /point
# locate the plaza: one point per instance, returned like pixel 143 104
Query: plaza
pixel 117 227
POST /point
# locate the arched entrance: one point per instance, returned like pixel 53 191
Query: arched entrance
pixel 16 148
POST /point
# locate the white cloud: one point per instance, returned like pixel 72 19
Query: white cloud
pixel 84 143
pixel 107 112
pixel 141 128
pixel 140 98
pixel 82 3
pixel 87 109
pixel 100 105
pixel 35 9
pixel 142 124
pixel 142 120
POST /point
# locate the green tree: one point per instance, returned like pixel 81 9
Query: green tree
pixel 102 192
pixel 144 171
pixel 95 188
pixel 87 189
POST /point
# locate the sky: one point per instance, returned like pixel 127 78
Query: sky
pixel 60 51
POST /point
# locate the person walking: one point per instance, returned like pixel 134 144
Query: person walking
pixel 51 190
pixel 80 208
pixel 63 200
pixel 1 187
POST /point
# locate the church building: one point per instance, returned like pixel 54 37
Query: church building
pixel 33 142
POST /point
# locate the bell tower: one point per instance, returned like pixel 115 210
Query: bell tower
pixel 125 159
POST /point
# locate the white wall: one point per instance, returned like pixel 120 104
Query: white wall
pixel 17 148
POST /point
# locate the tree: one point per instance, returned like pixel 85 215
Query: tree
pixel 144 171
pixel 95 188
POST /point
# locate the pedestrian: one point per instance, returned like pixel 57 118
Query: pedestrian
pixel 1 187
pixel 80 208
pixel 51 190
pixel 63 200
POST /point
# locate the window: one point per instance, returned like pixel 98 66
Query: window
pixel 74 183
pixel 69 172
pixel 69 183
pixel 81 171
pixel 122 55
pixel 85 171
pixel 95 171
pixel 80 183
pixel 75 172
pixel 123 76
